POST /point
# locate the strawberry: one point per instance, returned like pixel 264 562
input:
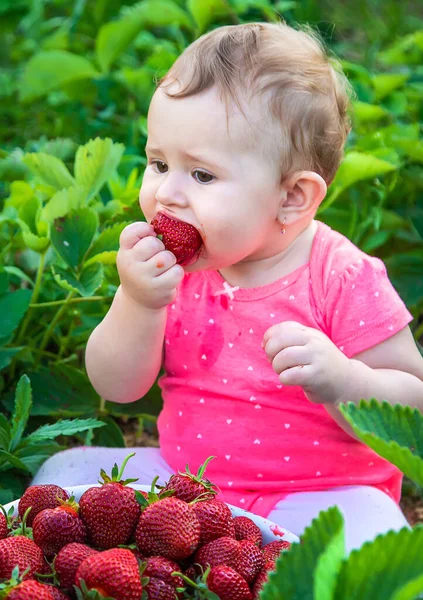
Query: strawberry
pixel 113 573
pixel 157 589
pixel 162 568
pixel 30 590
pixel 56 593
pixel 111 511
pixel 167 527
pixel 228 584
pixel 4 529
pixel 53 528
pixel 250 562
pixel 39 497
pixel 246 529
pixel 272 550
pixel 178 237
pixel 223 551
pixel 262 577
pixel 22 552
pixel 188 487
pixel 67 561
pixel 215 520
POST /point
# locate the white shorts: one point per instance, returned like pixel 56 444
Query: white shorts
pixel 367 511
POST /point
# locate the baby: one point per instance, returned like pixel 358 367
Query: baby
pixel 275 318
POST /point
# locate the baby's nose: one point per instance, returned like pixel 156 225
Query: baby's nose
pixel 171 191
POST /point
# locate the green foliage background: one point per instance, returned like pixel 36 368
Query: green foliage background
pixel 76 78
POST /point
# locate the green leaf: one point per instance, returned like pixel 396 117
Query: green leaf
pixel 23 404
pixel 405 271
pixel 34 454
pixel 13 306
pixel 411 590
pixel 7 354
pixel 355 167
pixel 4 432
pixel 73 234
pixel 51 70
pixel 90 280
pixel 63 202
pixel 385 83
pixel 109 436
pixel 49 169
pixel 105 258
pixel 63 427
pixel 9 461
pixel 379 569
pixel 394 432
pixel 206 11
pixel 413 149
pixel 309 570
pixel 35 242
pixel 365 113
pixel 113 38
pixel 95 162
pixel 19 273
pixel 108 240
pixel 57 392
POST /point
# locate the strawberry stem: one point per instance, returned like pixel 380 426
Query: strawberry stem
pixel 120 474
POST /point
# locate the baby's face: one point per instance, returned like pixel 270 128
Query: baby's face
pixel 203 174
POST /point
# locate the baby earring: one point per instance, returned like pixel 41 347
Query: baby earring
pixel 283 229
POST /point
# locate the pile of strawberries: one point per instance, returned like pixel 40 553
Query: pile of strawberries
pixel 176 541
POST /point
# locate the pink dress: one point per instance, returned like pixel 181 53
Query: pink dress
pixel 222 397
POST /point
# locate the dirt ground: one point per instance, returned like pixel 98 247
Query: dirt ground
pixel 411 505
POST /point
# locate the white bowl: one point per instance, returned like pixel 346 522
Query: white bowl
pixel 271 532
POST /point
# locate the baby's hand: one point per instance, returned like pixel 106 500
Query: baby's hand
pixel 307 357
pixel 148 272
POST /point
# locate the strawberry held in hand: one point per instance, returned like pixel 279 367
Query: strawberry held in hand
pixel 178 237
pixel 110 512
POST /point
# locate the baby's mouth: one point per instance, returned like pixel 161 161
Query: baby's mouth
pixel 178 237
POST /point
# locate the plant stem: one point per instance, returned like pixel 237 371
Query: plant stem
pixel 35 293
pixel 72 301
pixel 54 322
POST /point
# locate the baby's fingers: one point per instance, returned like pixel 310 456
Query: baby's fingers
pixel 133 233
pixel 294 356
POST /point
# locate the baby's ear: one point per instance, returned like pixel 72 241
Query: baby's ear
pixel 301 194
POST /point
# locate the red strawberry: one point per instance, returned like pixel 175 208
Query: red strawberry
pixel 112 573
pixel 223 551
pixel 67 561
pixel 4 529
pixel 30 590
pixel 22 552
pixel 57 594
pixel 180 238
pixel 162 568
pixel 40 497
pixel 215 520
pixel 53 528
pixel 246 529
pixel 167 527
pixel 156 589
pixel 228 584
pixel 272 550
pixel 262 577
pixel 188 487
pixel 111 511
pixel 251 561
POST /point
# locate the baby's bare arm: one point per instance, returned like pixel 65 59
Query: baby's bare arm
pixel 124 352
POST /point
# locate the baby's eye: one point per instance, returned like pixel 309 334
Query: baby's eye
pixel 203 177
pixel 160 166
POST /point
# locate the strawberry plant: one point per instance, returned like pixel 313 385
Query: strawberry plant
pixel 390 567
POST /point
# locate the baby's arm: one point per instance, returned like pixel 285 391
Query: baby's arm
pixel 124 352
